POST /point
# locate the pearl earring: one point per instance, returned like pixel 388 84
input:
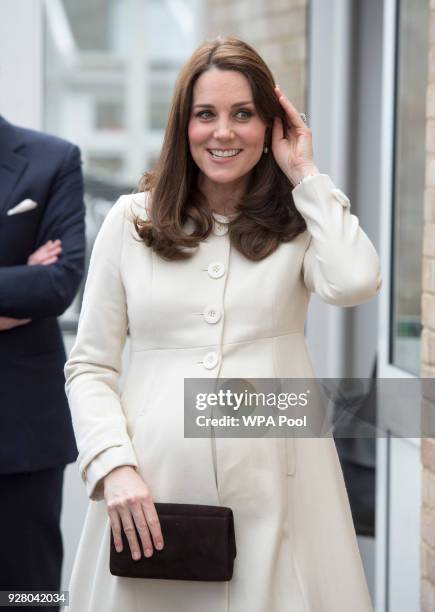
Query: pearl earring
pixel 266 149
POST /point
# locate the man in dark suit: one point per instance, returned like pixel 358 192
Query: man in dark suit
pixel 42 248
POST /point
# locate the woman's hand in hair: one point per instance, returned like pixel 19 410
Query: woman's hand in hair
pixel 130 508
pixel 293 149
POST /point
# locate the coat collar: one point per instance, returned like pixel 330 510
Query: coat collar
pixel 12 162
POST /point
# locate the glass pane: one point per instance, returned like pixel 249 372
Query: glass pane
pixel 110 69
pixel 90 23
pixel 109 115
pixel 409 165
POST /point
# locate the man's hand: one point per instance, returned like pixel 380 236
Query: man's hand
pixel 46 254
pixel 8 323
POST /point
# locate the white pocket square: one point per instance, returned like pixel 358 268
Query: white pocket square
pixel 23 206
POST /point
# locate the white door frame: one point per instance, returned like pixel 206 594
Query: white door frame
pixel 385 368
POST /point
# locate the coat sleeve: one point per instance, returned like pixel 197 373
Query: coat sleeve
pixel 94 366
pixel 340 264
pixel 43 291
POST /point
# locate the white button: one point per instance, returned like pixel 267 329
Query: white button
pixel 341 197
pixel 210 360
pixel 211 314
pixel 216 269
pixel 219 229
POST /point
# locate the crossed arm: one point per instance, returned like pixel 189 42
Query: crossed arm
pixel 47 254
pixel 47 284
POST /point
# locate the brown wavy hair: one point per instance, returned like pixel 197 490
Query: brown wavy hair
pixel 266 216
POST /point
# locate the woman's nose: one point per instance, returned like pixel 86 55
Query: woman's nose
pixel 223 131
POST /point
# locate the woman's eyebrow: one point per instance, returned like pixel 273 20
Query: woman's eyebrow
pixel 232 106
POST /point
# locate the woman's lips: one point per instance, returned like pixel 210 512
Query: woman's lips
pixel 221 160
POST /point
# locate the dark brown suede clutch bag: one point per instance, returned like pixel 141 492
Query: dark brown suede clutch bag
pixel 199 544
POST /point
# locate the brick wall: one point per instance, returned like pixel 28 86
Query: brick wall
pixel 277 29
pixel 428 337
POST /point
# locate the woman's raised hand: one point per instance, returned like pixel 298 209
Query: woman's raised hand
pixel 129 503
pixel 293 150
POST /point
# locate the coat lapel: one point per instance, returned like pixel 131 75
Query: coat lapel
pixel 12 164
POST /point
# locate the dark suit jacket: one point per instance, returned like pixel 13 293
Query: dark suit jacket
pixel 35 421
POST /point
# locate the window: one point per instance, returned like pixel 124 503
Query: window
pixel 109 115
pixel 408 189
pixel 110 69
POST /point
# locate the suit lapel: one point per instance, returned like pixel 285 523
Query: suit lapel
pixel 12 164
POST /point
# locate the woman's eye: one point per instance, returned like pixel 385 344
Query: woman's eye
pixel 241 114
pixel 244 114
pixel 205 114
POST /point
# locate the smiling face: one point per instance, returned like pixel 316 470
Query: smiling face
pixel 226 134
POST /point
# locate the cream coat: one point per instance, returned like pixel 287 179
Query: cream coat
pixel 296 545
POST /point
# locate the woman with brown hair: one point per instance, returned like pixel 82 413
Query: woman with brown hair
pixel 210 268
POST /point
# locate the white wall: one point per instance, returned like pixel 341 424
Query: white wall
pixel 328 108
pixel 21 66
